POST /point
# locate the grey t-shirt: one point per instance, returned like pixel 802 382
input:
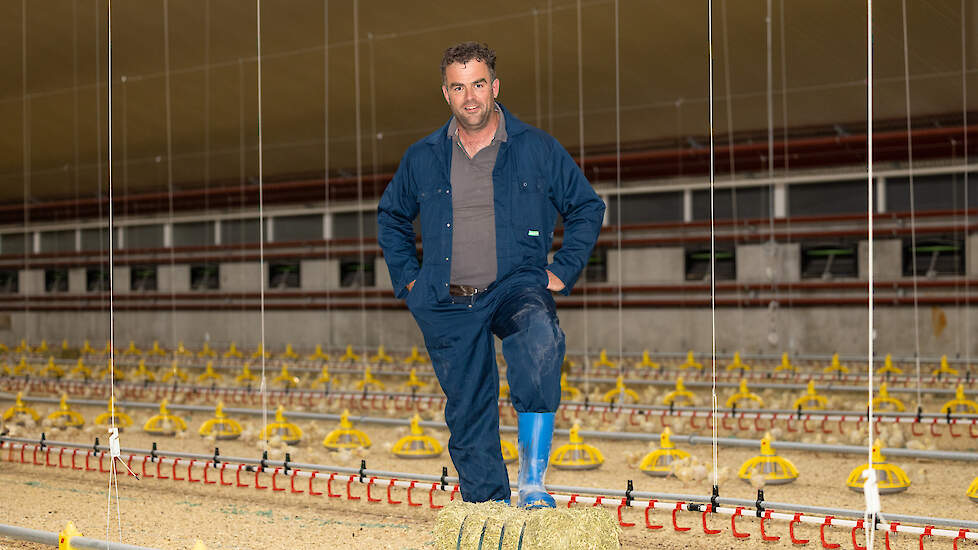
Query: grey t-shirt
pixel 474 237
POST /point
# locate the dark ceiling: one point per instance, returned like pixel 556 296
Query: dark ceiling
pixel 212 119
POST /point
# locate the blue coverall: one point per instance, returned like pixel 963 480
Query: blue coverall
pixel 534 178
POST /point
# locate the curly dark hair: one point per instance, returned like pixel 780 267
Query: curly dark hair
pixel 470 51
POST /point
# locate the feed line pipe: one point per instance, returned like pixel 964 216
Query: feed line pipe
pixel 447 481
pixel 678 412
pixel 48 538
pixel 965 456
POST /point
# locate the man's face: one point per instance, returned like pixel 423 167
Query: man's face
pixel 470 94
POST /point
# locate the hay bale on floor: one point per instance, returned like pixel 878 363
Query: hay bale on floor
pixel 582 528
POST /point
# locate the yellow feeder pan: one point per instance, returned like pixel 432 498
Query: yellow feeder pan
pixel 323 379
pixel 52 369
pixel 346 436
pixel 811 401
pixel 679 397
pixel 415 357
pixel 888 366
pixel 382 356
pixel 209 374
pixel 318 355
pixel 87 348
pixel 369 380
pixel 220 427
pixel 503 390
pixel 19 411
pixel 785 364
pixel 890 477
pixel 22 347
pixel 182 351
pixel 737 364
pixel 960 404
pixel 836 366
pixel 156 350
pixel 289 353
pixel 509 451
pixel 142 374
pixel 775 469
pixel 232 352
pixel 349 355
pixel 80 370
pixel 647 361
pixel 108 348
pixel 884 402
pixel 245 376
pixel 603 360
pixel 5 369
pixel 259 352
pixel 691 362
pixel 43 348
pixel 973 490
pixel 174 372
pixel 413 382
pixel 65 348
pixel 658 463
pixel 164 423
pixel 22 367
pixel 612 396
pixel 118 373
pixel 65 417
pixel 132 349
pixel 286 379
pixel 206 351
pixel 744 395
pixel 944 368
pixel 416 444
pixel 122 420
pixel 568 392
pixel 576 455
pixel 289 432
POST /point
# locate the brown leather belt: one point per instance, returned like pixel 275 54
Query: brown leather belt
pixel 463 290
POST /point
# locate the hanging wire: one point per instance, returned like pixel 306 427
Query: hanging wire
pixel 618 236
pixel 870 533
pixel 359 154
pixel 261 242
pixel 113 479
pixel 326 207
pixel 913 214
pixel 207 132
pixel 785 160
pixel 26 136
pixel 713 279
pixel 775 257
pixel 580 154
pixel 967 204
pixel 169 167
pixel 375 169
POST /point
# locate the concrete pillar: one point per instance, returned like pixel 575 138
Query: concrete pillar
pixel 647 265
pixel 31 282
pixel 320 274
pixel 120 280
pixel 77 280
pixel 175 278
pixel 887 259
pixel 769 262
pixel 382 277
pixel 241 277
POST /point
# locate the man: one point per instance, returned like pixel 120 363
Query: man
pixel 488 188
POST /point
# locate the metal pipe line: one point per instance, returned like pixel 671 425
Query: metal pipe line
pixel 48 538
pixel 780 506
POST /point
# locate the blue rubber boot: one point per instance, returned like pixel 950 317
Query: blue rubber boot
pixel 536 430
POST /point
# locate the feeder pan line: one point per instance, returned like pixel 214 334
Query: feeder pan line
pixel 628 498
pixel 753 376
pixel 682 412
pixel 618 436
pixel 48 538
